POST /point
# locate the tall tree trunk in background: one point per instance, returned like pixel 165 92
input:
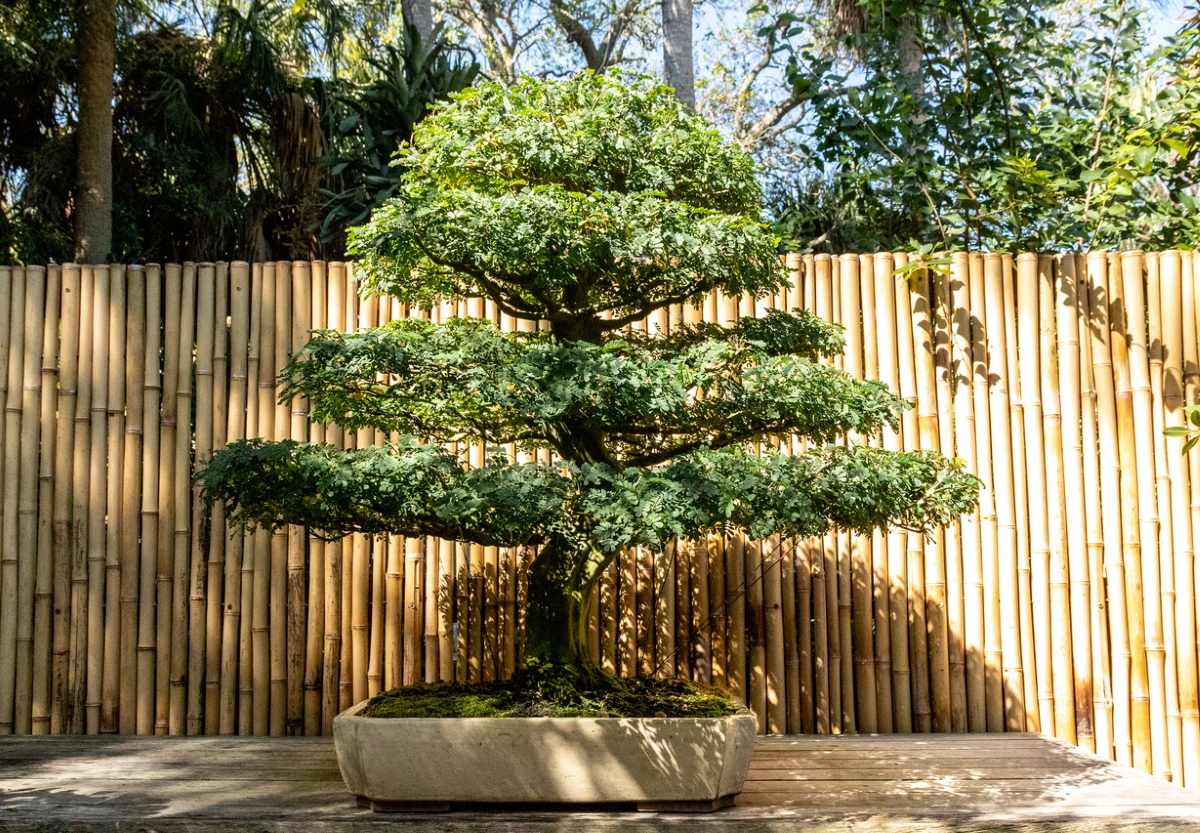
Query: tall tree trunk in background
pixel 677 49
pixel 419 13
pixel 96 36
pixel 910 53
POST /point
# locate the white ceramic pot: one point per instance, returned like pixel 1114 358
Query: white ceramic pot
pixel 427 764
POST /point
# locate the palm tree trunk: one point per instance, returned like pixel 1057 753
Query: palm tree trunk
pixel 96 34
pixel 677 49
pixel 419 13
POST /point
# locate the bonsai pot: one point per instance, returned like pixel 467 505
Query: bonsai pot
pixel 688 764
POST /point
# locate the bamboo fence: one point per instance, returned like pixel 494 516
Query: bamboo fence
pixel 1067 604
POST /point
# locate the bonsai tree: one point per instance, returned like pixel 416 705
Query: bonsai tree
pixel 584 204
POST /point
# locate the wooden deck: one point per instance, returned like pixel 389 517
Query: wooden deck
pixel 879 783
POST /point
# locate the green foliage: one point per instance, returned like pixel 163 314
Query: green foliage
pixel 417 490
pixel 561 200
pixel 223 146
pixel 585 203
pixel 381 115
pixel 1016 128
pixel 649 399
pixel 1191 431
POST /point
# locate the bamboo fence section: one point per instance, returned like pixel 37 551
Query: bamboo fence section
pixel 1067 604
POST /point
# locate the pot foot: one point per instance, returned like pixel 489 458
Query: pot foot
pixel 685 806
pixel 403 806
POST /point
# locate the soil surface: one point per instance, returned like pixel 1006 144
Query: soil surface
pixel 643 697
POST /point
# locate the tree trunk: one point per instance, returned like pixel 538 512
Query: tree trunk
pixel 419 13
pixel 910 52
pixel 561 583
pixel 677 49
pixel 96 35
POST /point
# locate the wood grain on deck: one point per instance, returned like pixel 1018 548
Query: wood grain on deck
pixel 880 783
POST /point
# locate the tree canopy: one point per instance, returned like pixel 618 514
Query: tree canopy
pixel 585 204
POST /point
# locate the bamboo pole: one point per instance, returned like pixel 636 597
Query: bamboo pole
pixel 1066 301
pixel 773 638
pixel 979 374
pixel 166 531
pixel 475 590
pixel 296 590
pixel 667 628
pixel 81 488
pixel 735 608
pixel 819 296
pixel 214 591
pixel 245 638
pixel 972 615
pixel 135 357
pixel 64 448
pixel 756 663
pixel 361 565
pixel 332 643
pixel 1183 565
pixel 394 619
pixel 166 501
pixel 645 612
pixel 925 337
pixel 8 556
pixel 1110 493
pixel 13 281
pixel 277 625
pixel 181 719
pixel 718 615
pixel 115 419
pixel 43 598
pixel 606 591
pixel 797 638
pixel 416 628
pixel 27 485
pixel 1190 272
pixel 1006 599
pixel 1119 318
pixel 97 501
pixel 200 539
pixel 951 544
pixel 664 623
pixel 151 396
pixel 1165 519
pixel 1035 463
pixel 1020 475
pixel 861 567
pixel 1098 623
pixel 701 609
pixel 1132 277
pixel 1060 602
pixel 446 636
pixel 679 609
pixel 314 650
pixel 895 584
pixel 877 557
pixel 235 562
pixel 918 645
pixel 349 543
pixel 260 627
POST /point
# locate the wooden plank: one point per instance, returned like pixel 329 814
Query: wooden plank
pixel 944 783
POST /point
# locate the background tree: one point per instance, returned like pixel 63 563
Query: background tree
pixel 230 136
pixel 585 204
pixel 678 68
pixel 96 31
pixel 1015 128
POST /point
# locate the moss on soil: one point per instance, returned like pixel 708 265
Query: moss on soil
pixel 629 698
